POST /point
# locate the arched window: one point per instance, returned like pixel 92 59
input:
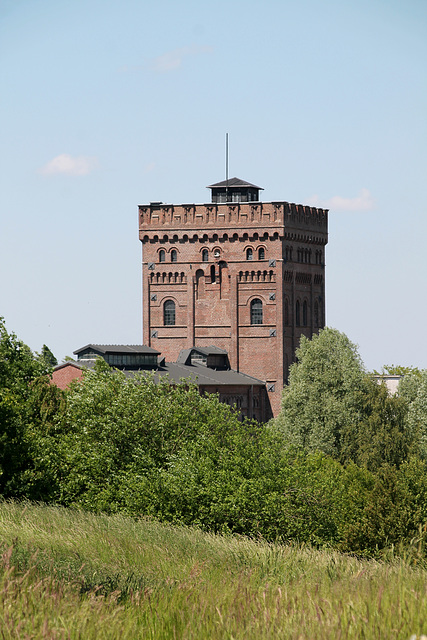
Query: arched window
pixel 256 311
pixel 286 311
pixel 162 255
pixel 200 282
pixel 205 255
pixel 249 254
pixel 261 253
pixel 213 273
pixel 298 313
pixel 174 255
pixel 316 314
pixel 169 313
pixel 304 314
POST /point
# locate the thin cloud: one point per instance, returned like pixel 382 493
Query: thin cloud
pixel 172 60
pixel 363 202
pixel 69 165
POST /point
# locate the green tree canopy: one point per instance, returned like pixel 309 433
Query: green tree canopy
pixel 48 357
pixel 332 405
pixel 19 369
pixel 398 370
pixel 324 395
pixel 415 389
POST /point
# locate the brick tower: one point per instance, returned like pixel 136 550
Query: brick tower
pixel 240 274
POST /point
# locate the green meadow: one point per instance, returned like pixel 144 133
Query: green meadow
pixel 68 574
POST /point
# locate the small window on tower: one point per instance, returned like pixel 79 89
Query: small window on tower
pixel 162 255
pixel 205 255
pixel 261 253
pixel 174 255
pixel 256 311
pixel 169 313
pixel 249 254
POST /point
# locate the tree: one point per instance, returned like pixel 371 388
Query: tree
pixel 19 368
pixel 325 393
pixel 397 370
pixel 416 390
pixel 332 405
pixel 410 384
pixel 381 436
pixel 118 431
pixel 48 357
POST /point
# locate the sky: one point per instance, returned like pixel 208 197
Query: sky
pixel 106 105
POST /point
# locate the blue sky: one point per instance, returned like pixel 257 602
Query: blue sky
pixel 106 105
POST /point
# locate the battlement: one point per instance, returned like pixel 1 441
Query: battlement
pixel 272 216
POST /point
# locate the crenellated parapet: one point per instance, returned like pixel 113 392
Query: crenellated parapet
pixel 196 216
pixel 303 216
pixel 209 235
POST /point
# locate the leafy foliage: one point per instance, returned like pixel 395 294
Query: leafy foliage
pixel 417 413
pixel 325 393
pixel 21 381
pixel 343 465
pixel 332 405
pixel 381 435
pixel 48 357
pixel 398 370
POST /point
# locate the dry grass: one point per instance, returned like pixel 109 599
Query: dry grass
pixel 68 574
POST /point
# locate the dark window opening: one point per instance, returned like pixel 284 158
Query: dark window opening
pixel 297 314
pixel 261 253
pixel 130 360
pixel 249 254
pixel 174 255
pixel 256 311
pixel 304 314
pixel 162 256
pixel 205 255
pixel 169 313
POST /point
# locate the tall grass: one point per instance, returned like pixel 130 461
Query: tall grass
pixel 66 575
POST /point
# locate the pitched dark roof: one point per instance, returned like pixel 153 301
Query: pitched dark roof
pixel 204 376
pixel 233 182
pixel 175 371
pixel 184 354
pixel 118 348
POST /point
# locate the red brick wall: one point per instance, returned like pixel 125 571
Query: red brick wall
pixel 62 376
pixel 216 310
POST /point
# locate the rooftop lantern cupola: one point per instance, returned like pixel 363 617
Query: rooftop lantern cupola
pixel 234 190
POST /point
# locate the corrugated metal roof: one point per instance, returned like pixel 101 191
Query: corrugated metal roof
pixel 118 348
pixel 175 371
pixel 204 376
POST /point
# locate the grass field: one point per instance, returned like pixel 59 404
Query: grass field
pixel 67 575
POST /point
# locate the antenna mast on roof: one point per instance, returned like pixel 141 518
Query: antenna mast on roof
pixel 226 167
